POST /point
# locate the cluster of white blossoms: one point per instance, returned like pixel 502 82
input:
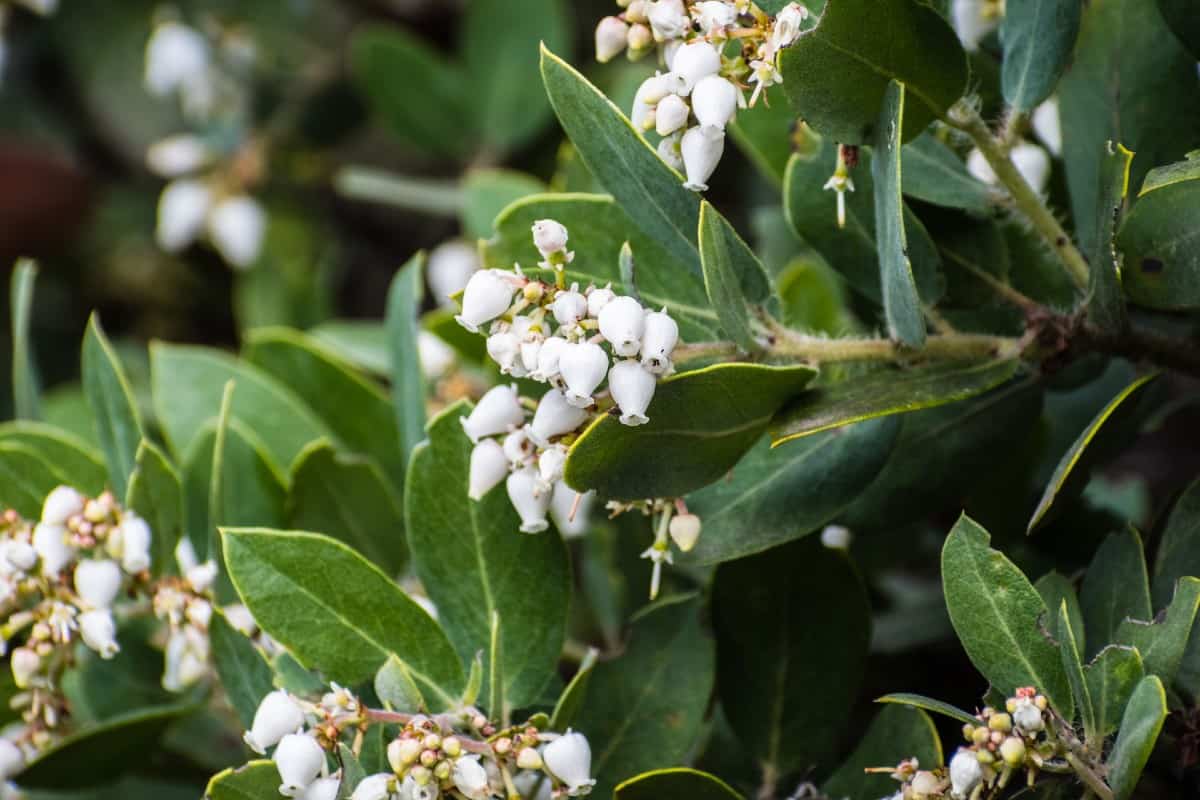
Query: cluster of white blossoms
pixel 575 341
pixel 41 7
pixel 458 755
pixel 691 103
pixel 207 191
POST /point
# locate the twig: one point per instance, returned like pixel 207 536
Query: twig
pixel 1090 778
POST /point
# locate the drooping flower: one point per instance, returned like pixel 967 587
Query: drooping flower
pixel 701 148
pixel 965 773
pixel 237 226
pixel 569 758
pixel 530 504
pixel 489 466
pixel 299 760
pixel 99 632
pixel 278 714
pixel 498 411
pixel 583 366
pixel 487 295
pixel 632 388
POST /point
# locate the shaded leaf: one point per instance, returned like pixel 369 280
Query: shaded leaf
pixel 487 192
pixel 733 276
pixel 245 675
pixel 26 397
pixel 72 457
pixel 1111 678
pixel 929 704
pixel 1179 549
pixel 1073 667
pixel 114 411
pixel 25 479
pixel 1055 590
pixel 1140 725
pixel 675 784
pixel 1163 641
pixel 1161 263
pixel 402 331
pixel 156 494
pixel 258 780
pixel 362 343
pixel 895 734
pixel 934 173
pixel 571 699
pixel 395 687
pixel 1182 20
pixel 1038 37
pixel 1106 303
pixel 1115 587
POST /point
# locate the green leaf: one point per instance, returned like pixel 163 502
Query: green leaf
pixel 354 408
pixel 1179 549
pixel 402 331
pixel 500 44
pixel 101 753
pixel 1111 678
pixel 497 701
pixel 245 675
pixel 398 74
pixel 395 686
pixel 244 488
pixel 837 75
pixel 25 479
pixel 649 191
pixel 487 192
pixel 188 383
pixel 644 709
pixel 733 276
pixel 1182 20
pixel 72 457
pixel 1163 641
pixel 1103 99
pixel 1161 260
pixel 701 424
pixel 334 610
pixel 26 398
pixel 934 173
pixel 785 621
pixel 362 343
pixel 100 689
pixel 348 498
pixel 1106 303
pixel 156 494
pixel 999 617
pixel 465 553
pixel 766 134
pixel 1038 37
pixel 680 783
pixel 258 780
pixel 894 735
pixel 1140 726
pixel 1073 667
pixel 774 496
pixel 1115 587
pixel 886 392
pixel 1093 443
pixel 118 424
pixel 1055 589
pixel 901 305
pixel 929 704
pixel 571 699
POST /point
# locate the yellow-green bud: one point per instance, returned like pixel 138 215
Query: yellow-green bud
pixel 529 758
pixel 402 752
pixel 420 774
pixel 1000 722
pixel 502 745
pixel 969 732
pixel 1012 750
pixel 1011 704
pixel 985 757
pixel 431 742
pixel 451 747
pixel 533 291
pixel 980 735
pixel 442 770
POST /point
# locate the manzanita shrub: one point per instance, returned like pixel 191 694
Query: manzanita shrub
pixel 318 569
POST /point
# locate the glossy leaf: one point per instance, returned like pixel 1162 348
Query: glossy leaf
pixel 929 704
pixel 645 187
pixel 998 616
pixel 118 423
pixel 1163 641
pixel 26 397
pixel 1140 726
pixel 837 75
pixel 1111 678
pixel 733 276
pixel 1112 421
pixel 571 699
pixel 1179 549
pixel 1073 667
pixel 245 675
pixel 701 424
pixel 774 496
pixel 934 173
pixel 1038 37
pixel 334 610
pixel 402 331
pixel 257 780
pixel 1115 587
pixel 643 709
pixel 25 479
pixel 474 562
pixel 156 494
pixel 675 784
pixel 894 734
pixel 770 651
pixel 1161 260
pixel 72 457
pixel 1055 590
pixel 1106 303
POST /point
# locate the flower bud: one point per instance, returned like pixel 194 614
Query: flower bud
pixel 471 778
pixel 611 36
pixel 518 448
pixel 488 467
pixel 837 537
pixel 135 543
pixel 550 467
pixel 498 411
pixel 99 632
pixel 529 758
pixel 25 666
pixel 182 209
pixel 925 783
pixel 970 22
pixel 668 150
pixel 299 760
pixel 1012 750
pixel 19 555
pixel 1034 165
pixel 50 542
pixel 436 357
pixel 530 504
pixel 418 786
pixel 569 307
pixel 658 342
pixel 965 773
pixel 12 760
pixel 202 576
pixel 715 16
pixel 505 349
pixel 671 114
pixel 623 323
pixel 277 715
pixel 632 388
pixel 1027 717
pixel 549 237
pixel 693 61
pixel 452 746
pixel 638 39
pixel 237 227
pixel 548 355
pixel 176 55
pixel 684 530
pixel 668 19
pixel 374 787
pixel 563 502
pixel 97 582
pixel 1047 125
pixel 555 416
pixel 651 92
pixel 1000 722
pixel 178 155
pixel 714 101
pixel 583 366
pixel 597 299
pixel 61 504
pixel 569 758
pixel 486 296
pixel 449 268
pixel 701 148
pixel 531 349
pixel 323 789
pixel 787 25
pixel 402 753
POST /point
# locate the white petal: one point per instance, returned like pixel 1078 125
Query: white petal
pixel 182 208
pixel 450 266
pixel 237 227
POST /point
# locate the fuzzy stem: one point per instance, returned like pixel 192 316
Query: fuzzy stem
pixel 945 347
pixel 1090 778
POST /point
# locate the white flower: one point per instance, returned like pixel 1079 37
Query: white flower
pixel 178 155
pixel 323 789
pixel 569 758
pixel 518 447
pixel 12 760
pixel 669 151
pixel 43 7
pixel 50 542
pixel 497 412
pixel 658 342
pixel 549 237
pixel 562 503
pixel 99 632
pixel 550 467
pixel 526 782
pixel 1030 160
pixel 531 350
pixel 412 789
pixel 471 778
pixel 582 366
pixel 185 553
pixel 237 227
pixel 201 576
pixel 18 555
pixel 787 26
pixel 299 760
pixel 714 16
pixel 667 18
pixel 487 295
pixel 671 114
pixel 61 504
pixel 1048 126
pixel 437 358
pixel 177 57
pixel 451 264
pixel 836 537
pixel 97 582
pixel 135 543
pixel 548 355
pixel 649 94
pixel 1027 716
pixel 632 388
pixel 639 38
pixel 240 618
pixel 611 37
pixel 186 659
pixel 693 61
pixel 925 783
pixel 25 666
pixel 182 209
pixel 598 299
pixel 764 74
pixel 569 307
pixel 965 773
pixel 622 323
pixel 505 348
pixel 374 787
pixel 529 503
pixel 714 101
pixel 701 147
pixel 684 530
pixel 555 416
pixel 489 466
pixel 971 21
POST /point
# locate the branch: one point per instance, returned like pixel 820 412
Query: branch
pixel 1090 779
pixel 1138 343
pixel 944 347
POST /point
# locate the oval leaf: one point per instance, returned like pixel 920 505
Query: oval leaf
pixel 733 276
pixel 402 332
pixel 929 704
pixel 1038 37
pixel 1114 587
pixel 258 780
pixel 25 479
pixel 1163 641
pixel 1111 678
pixel 72 457
pixel 245 675
pixel 1162 262
pixel 118 424
pixel 1140 726
pixel 675 784
pixel 934 173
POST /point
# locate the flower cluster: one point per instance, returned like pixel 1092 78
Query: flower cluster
pixel 457 755
pixel 691 104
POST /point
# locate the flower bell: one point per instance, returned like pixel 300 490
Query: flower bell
pixel 684 530
pixel 714 16
pixel 1027 716
pixel 12 760
pixel 449 268
pixel 530 504
pixel 569 758
pixel 569 307
pixel 973 20
pixel 569 511
pixel 701 148
pixel 965 773
pixel 487 295
pixel 497 412
pixel 670 115
pixel 97 582
pixel 550 467
pixel 658 342
pixel 323 789
pixel 471 778
pixel 299 760
pixel 550 238
pixel 668 150
pixel 135 543
pixel 505 349
pixel 623 323
pixel 548 355
pixel 26 664
pixel 61 504
pixel 714 101
pixel 668 19
pixel 787 26
pixel 178 155
pixel 488 467
pixel 555 416
pixel 237 227
pixel 1047 124
pixel 437 358
pixel 177 56
pixel 374 787
pixel 50 542
pixel 182 209
pixel 278 714
pixel 18 555
pixel 597 299
pixel 583 366
pixel 693 61
pixel 632 388
pixel 99 632
pixel 518 447
pixel 611 36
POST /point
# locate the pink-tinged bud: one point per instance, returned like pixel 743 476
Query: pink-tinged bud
pixel 701 147
pixel 487 295
pixel 611 35
pixel 569 758
pixel 278 714
pixel 714 101
pixel 299 760
pixel 695 60
pixel 632 388
pixel 569 307
pixel 530 504
pixel 658 342
pixel 498 411
pixel 623 323
pixel 685 530
pixel 583 366
pixel 555 416
pixel 489 466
